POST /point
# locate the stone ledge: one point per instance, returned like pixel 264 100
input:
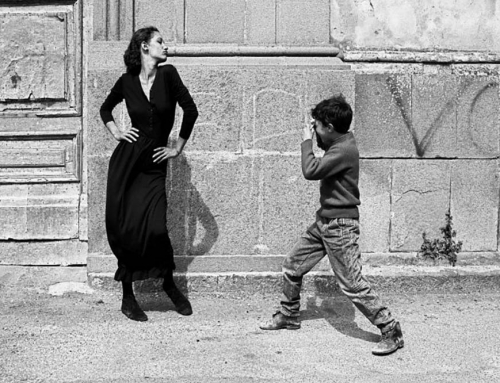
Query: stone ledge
pixel 105 263
pixel 108 55
pixel 390 279
pixel 429 57
pixel 385 280
pixel 32 253
pixel 39 277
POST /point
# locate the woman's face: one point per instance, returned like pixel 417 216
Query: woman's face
pixel 156 48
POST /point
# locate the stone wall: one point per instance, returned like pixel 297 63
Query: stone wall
pixel 426 121
pixel 434 131
pixel 237 190
pixel 42 199
pixel 431 26
pixel 423 78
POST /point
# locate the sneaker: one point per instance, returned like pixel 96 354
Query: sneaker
pixel 390 342
pixel 280 321
pixel 132 310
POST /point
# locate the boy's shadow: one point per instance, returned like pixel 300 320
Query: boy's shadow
pixel 339 312
pixel 192 230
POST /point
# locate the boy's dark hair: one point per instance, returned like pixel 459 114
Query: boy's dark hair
pixel 132 56
pixel 335 111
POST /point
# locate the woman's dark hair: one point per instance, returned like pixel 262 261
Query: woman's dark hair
pixel 335 111
pixel 132 56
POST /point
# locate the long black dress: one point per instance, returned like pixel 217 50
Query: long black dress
pixel 136 202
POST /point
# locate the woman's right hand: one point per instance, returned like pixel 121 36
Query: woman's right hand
pixel 129 135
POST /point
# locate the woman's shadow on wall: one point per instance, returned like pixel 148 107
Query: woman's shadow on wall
pixel 192 230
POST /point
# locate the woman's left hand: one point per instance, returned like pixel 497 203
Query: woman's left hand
pixel 164 153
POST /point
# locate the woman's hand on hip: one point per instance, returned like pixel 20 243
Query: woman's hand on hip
pixel 164 153
pixel 129 135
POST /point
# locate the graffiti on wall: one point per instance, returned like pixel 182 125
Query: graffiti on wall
pixel 466 99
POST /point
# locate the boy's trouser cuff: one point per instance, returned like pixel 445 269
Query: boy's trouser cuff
pixel 289 313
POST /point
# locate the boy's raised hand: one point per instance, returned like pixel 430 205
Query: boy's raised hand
pixel 308 131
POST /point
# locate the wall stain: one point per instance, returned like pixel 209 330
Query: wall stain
pixel 15 80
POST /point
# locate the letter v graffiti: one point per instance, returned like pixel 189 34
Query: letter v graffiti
pixel 472 89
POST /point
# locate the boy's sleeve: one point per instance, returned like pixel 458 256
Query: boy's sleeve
pixel 319 168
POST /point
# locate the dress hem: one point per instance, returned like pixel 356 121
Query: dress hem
pixel 124 275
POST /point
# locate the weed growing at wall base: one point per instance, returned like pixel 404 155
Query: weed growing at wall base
pixel 442 248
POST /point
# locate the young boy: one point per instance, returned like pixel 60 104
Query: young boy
pixel 336 230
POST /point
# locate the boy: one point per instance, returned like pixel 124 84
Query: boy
pixel 336 230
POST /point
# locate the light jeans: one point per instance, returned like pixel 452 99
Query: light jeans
pixel 337 238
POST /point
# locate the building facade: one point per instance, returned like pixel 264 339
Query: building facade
pixel 423 79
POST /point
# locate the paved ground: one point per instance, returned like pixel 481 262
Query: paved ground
pixel 81 337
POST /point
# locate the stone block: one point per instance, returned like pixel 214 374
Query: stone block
pixel 99 140
pixel 215 22
pixel 478 116
pixel 342 22
pixel 34 60
pixel 323 83
pixel 197 283
pixel 474 203
pixel 287 202
pixel 101 263
pixel 127 19
pixel 218 96
pixel 274 109
pixel 113 20
pixel 404 25
pixel 212 203
pixel 99 20
pixel 434 114
pixel 224 264
pixel 49 156
pixel 22 153
pixel 39 211
pixel 13 219
pixel 167 16
pixel 261 22
pixel 64 253
pixel 52 222
pixel 83 223
pixel 383 115
pixel 303 22
pixel 375 209
pixel 268 283
pixel 385 280
pixel 98 169
pixel 419 201
pixel 216 264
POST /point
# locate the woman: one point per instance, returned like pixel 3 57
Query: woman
pixel 136 202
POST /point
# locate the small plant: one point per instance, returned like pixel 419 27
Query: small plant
pixel 442 248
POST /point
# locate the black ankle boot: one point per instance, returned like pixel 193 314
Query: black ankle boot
pixel 132 310
pixel 181 303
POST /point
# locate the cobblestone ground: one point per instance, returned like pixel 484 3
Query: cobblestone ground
pixel 80 337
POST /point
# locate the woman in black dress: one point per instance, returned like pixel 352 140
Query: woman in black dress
pixel 136 201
